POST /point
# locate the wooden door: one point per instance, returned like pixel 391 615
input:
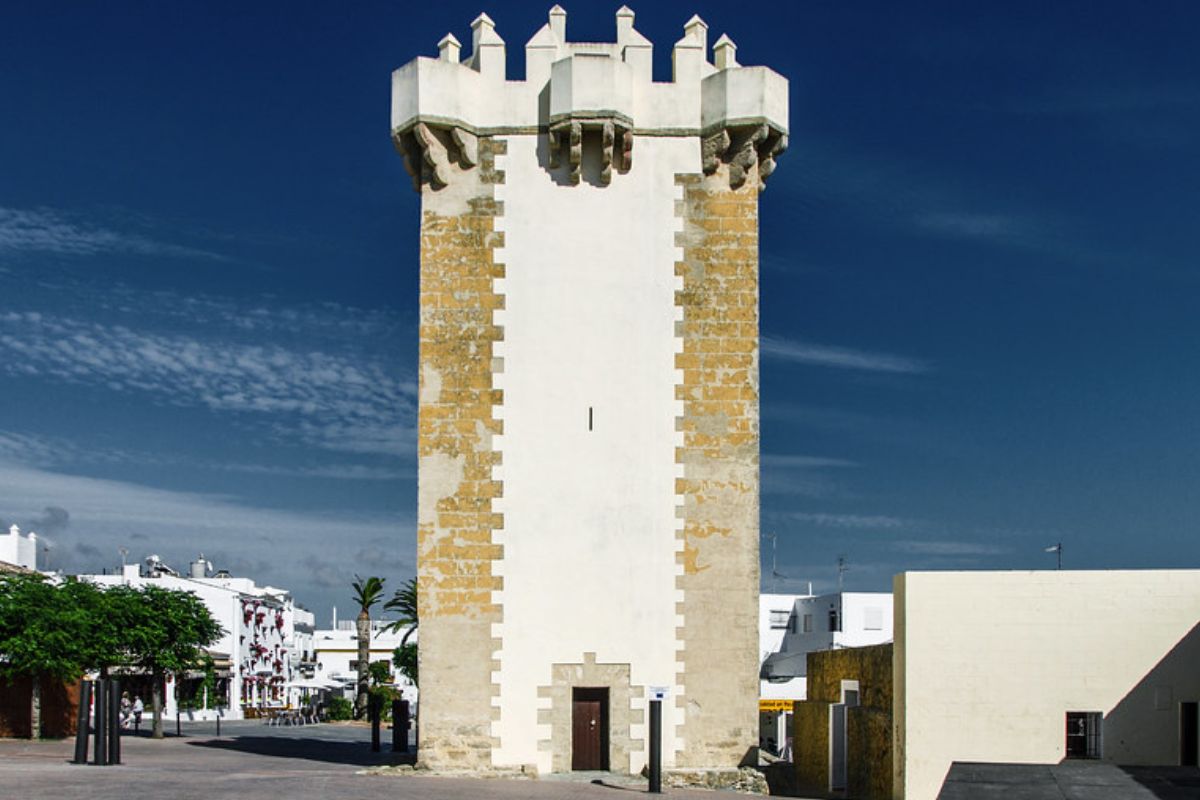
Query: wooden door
pixel 589 729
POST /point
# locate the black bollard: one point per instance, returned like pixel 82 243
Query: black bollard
pixel 100 697
pixel 399 726
pixel 656 746
pixel 81 722
pixel 178 728
pixel 114 721
pixel 375 711
pixel 218 723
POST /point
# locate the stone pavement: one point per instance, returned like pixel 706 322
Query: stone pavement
pixel 251 760
pixel 1070 780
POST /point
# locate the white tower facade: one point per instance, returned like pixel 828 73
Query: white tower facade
pixel 588 443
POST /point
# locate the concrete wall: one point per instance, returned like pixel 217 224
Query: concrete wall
pixel 988 663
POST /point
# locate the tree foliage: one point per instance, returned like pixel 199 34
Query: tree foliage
pixel 404 605
pixel 61 629
pixel 405 659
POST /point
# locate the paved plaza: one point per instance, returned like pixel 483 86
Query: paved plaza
pixel 252 760
pixel 1069 780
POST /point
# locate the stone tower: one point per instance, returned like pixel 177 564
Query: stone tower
pixel 588 446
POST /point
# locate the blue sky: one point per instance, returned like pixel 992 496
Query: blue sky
pixel 979 290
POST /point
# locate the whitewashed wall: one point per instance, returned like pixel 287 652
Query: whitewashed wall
pixel 589 515
pixel 988 663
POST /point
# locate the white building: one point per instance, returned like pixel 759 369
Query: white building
pixel 336 655
pixel 1035 667
pixel 19 550
pixel 588 504
pixel 253 658
pixel 775 612
pixel 824 622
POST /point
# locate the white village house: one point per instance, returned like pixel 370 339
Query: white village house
pixel 256 662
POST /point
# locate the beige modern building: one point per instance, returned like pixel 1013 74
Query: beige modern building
pixel 588 426
pixel 1035 667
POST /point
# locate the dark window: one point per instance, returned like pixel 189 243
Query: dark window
pixel 1083 734
pixel 835 621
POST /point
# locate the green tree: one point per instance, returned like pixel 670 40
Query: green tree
pixel 405 659
pixel 168 632
pixel 380 673
pixel 404 604
pixel 366 595
pixel 45 632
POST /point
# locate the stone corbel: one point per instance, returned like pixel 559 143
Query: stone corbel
pixel 742 147
pixel 427 157
pixel 616 143
pixel 575 157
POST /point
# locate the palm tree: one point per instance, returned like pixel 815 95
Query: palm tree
pixel 404 604
pixel 366 594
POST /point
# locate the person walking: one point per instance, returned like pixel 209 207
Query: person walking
pixel 138 708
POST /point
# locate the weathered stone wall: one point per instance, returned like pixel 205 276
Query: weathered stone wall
pixel 455 461
pixel 869 753
pixel 870 666
pixel 810 746
pixel 868 726
pixel 718 492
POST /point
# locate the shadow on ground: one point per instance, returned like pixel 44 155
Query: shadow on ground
pixel 1069 780
pixel 1168 783
pixel 326 750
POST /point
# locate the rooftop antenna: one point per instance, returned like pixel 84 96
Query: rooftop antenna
pixel 1056 548
pixel 774 572
pixel 124 551
pixel 843 568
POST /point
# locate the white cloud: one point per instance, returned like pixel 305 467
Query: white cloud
pixel 335 401
pixel 952 549
pixel 839 357
pixel 804 462
pixel 849 521
pixel 48 231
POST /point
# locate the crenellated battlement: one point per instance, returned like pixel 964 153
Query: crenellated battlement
pixel 587 91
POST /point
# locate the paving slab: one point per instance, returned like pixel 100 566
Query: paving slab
pixel 253 761
pixel 1070 780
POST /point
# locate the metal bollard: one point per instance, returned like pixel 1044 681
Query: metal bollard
pixel 400 726
pixel 656 746
pixel 114 721
pixel 375 711
pixel 82 718
pixel 101 705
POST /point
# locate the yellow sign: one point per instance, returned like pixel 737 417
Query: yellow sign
pixel 775 705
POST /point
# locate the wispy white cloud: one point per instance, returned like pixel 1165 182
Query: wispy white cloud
pixel 802 475
pixel 49 231
pixel 341 472
pixel 849 521
pixel 781 461
pixel 334 401
pixel 824 355
pixel 950 549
